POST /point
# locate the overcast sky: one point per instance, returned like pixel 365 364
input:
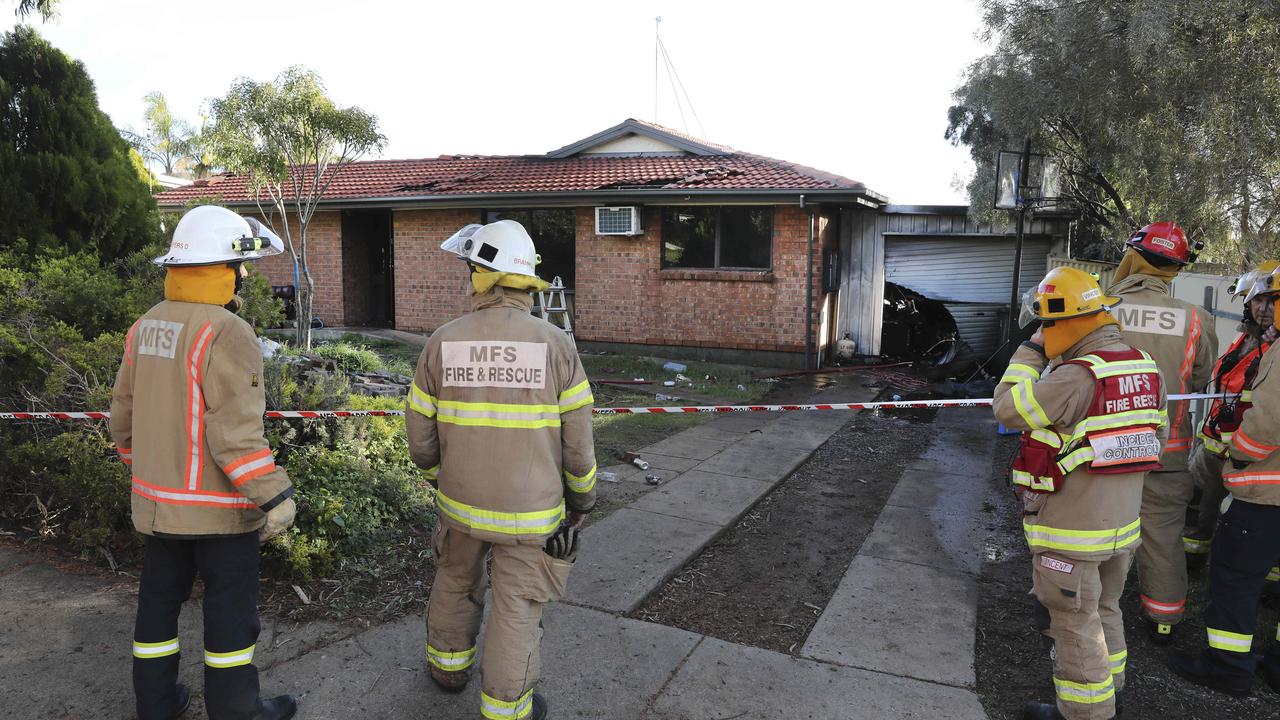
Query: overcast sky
pixel 857 88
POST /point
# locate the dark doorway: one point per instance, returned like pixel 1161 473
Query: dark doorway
pixel 552 230
pixel 368 269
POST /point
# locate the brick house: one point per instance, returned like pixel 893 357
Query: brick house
pixel 665 240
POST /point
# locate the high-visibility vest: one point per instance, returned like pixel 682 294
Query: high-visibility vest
pixel 1224 416
pixel 1117 436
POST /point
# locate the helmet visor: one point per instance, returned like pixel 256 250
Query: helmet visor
pixel 1261 285
pixel 460 243
pixel 1029 313
pixel 270 244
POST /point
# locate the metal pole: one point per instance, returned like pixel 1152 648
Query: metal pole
pixel 809 363
pixel 1024 164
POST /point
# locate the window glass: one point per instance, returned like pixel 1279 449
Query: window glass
pixel 717 237
pixel 689 237
pixel 553 231
pixel 744 237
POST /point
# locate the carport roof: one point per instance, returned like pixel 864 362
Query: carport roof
pixel 691 168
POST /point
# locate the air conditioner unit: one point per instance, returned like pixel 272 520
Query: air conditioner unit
pixel 618 221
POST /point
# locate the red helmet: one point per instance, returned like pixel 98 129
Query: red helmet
pixel 1164 240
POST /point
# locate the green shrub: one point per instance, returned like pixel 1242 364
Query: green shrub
pixel 259 307
pixel 69 485
pixel 355 495
pixel 350 358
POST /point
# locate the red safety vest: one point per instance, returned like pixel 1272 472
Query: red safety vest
pixel 1224 416
pixel 1117 436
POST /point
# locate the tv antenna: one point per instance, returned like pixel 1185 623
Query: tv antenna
pixel 661 59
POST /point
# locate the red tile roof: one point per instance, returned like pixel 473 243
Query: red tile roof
pixel 462 175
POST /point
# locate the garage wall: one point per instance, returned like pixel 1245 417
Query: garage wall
pixel 963 269
pixel 941 253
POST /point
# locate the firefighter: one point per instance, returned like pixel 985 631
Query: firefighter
pixel 1091 409
pixel 499 416
pixel 1181 339
pixel 186 417
pixel 1246 544
pixel 1233 374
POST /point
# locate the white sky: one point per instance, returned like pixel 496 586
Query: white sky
pixel 852 87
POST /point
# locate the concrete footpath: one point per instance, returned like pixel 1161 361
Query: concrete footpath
pixel 896 640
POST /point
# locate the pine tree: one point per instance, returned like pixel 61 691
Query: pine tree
pixel 66 177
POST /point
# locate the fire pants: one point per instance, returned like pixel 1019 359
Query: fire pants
pixel 1085 622
pixel 524 579
pixel 228 566
pixel 1162 560
pixel 1207 471
pixel 1245 548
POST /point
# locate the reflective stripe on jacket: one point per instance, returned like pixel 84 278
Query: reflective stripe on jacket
pixel 1233 373
pixel 186 417
pixel 1180 338
pixel 1091 516
pixel 1256 443
pixel 499 417
pixel 1072 450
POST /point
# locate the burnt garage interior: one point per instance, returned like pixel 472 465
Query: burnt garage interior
pixel 929 283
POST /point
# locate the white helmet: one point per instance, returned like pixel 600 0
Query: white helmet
pixel 503 246
pixel 212 235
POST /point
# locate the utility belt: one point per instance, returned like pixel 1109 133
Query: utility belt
pixel 1117 437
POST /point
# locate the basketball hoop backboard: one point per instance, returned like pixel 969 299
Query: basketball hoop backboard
pixel 1040 187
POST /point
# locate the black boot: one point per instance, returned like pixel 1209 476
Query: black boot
pixel 1197 669
pixel 1269 668
pixel 450 682
pixel 540 708
pixel 184 701
pixel 1041 711
pixel 281 707
pixel 1160 633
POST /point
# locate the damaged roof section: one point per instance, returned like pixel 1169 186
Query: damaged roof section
pixel 705 169
pixel 699 176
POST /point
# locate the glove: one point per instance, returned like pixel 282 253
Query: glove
pixel 279 518
pixel 563 545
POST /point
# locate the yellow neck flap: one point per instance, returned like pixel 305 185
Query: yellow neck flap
pixel 483 280
pixel 205 284
pixel 1062 335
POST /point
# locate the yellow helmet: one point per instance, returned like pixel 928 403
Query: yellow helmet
pixel 1065 293
pixel 1261 280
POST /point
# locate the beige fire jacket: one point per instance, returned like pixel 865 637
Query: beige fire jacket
pixel 186 417
pixel 1092 515
pixel 1180 337
pixel 1257 441
pixel 499 415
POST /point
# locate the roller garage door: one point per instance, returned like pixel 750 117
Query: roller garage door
pixel 971 275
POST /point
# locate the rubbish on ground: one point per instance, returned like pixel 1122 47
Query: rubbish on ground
pixel 268 347
pixel 675 367
pixel 741 387
pixel 669 383
pixel 711 379
pixel 638 381
pixel 897 397
pixel 830 370
pixel 681 378
pixel 665 398
pixel 640 464
pixel 652 479
pixel 607 476
pixel 302 595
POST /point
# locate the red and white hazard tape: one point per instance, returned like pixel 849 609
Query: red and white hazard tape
pixel 324 414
